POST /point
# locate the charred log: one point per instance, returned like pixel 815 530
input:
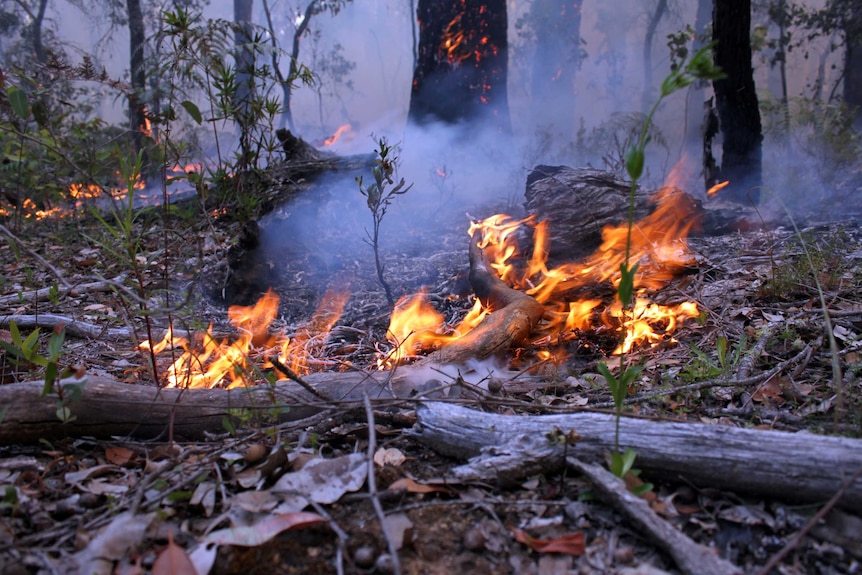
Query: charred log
pixel 579 203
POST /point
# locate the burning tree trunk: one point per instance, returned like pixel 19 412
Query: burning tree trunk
pixel 462 63
pixel 737 102
pixel 556 25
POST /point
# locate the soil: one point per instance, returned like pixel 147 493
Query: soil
pixel 756 289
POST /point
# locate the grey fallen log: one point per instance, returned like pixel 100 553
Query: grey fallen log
pixel 800 467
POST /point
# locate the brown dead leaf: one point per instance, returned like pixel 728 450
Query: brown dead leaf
pixel 570 543
pixel 173 560
pixel 769 391
pixel 413 486
pixel 119 455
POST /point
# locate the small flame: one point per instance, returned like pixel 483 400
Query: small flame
pixel 208 362
pixel 453 41
pixel 717 187
pixel 338 133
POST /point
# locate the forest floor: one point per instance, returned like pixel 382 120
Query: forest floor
pixel 127 505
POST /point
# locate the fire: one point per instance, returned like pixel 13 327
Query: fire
pixel 716 188
pixel 345 128
pixel 307 344
pixel 453 46
pixel 415 326
pixel 208 362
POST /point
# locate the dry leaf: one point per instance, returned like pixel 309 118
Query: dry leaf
pixel 413 486
pixel 258 534
pixel 173 560
pixel 570 543
pixel 119 455
pixel 323 480
pixel 390 456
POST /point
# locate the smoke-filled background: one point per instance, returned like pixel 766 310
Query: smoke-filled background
pixel 363 59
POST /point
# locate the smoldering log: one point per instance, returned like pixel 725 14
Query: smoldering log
pixel 579 203
pixel 801 467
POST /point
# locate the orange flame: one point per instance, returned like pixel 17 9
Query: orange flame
pixel 453 42
pixel 338 133
pixel 717 187
pixel 209 362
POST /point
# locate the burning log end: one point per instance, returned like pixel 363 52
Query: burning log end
pixel 515 315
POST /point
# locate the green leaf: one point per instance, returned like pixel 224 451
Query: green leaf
pixel 635 162
pixel 627 283
pixel 18 100
pixel 642 488
pixel 193 111
pixel 50 378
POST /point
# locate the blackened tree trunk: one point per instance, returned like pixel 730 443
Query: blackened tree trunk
pixel 853 60
pixel 137 110
pixel 462 66
pixel 557 29
pixel 736 101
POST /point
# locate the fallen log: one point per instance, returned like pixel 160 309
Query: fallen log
pixel 793 466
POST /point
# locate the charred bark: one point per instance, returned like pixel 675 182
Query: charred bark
pixel 461 70
pixel 736 102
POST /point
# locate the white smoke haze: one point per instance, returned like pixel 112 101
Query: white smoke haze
pixel 374 97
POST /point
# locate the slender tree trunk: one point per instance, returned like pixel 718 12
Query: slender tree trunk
pixel 137 110
pixel 38 46
pixel 287 85
pixel 853 64
pixel 697 91
pixel 736 102
pixel 557 26
pixel 242 14
pixel 652 26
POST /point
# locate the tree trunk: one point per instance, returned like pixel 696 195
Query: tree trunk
pixel 462 68
pixel 775 464
pixel 242 14
pixel 652 26
pixel 137 110
pixel 557 28
pixel 853 65
pixel 736 102
pixel 697 93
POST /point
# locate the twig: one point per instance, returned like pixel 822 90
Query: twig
pixel 747 363
pixel 73 327
pixel 49 292
pixel 343 537
pixel 691 558
pixel 797 538
pixel 372 486
pixel 35 256
pixel 720 381
pixel 292 375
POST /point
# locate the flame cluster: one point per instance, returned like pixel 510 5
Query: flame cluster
pixel 206 361
pixel 656 243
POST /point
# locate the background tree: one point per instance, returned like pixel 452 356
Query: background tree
pixel 138 123
pixel 652 25
pixel 245 80
pixel 462 67
pixel 554 26
pixel 301 23
pixel 736 101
